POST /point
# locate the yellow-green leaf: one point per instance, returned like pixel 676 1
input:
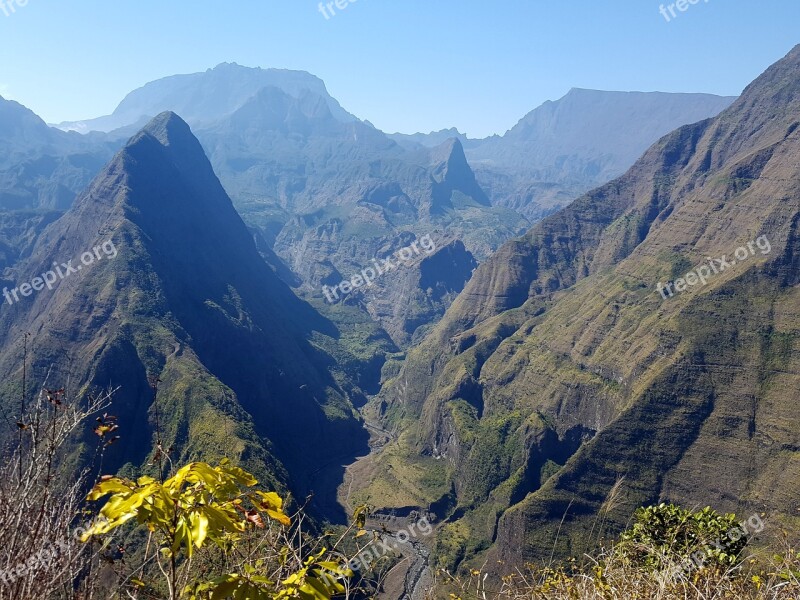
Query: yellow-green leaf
pixel 199 528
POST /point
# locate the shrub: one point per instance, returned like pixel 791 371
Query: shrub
pixel 202 505
pixel 668 534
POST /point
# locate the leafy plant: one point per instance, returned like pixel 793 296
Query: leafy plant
pixel 669 533
pixel 204 505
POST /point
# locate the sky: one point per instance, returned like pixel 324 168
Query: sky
pixel 405 65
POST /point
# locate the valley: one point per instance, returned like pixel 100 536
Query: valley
pixel 254 346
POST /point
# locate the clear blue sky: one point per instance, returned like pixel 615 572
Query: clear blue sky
pixel 406 65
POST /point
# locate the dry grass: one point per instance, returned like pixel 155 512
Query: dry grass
pixel 612 576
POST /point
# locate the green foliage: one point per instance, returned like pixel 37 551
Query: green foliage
pixel 789 570
pixel 680 265
pixel 317 580
pixel 549 468
pixel 204 505
pixel 496 452
pixel 199 502
pixel 670 534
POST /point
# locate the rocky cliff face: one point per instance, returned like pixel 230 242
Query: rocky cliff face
pixel 561 369
pixel 408 300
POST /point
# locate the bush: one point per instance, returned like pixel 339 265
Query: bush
pixel 669 553
pixel 669 534
pixel 213 508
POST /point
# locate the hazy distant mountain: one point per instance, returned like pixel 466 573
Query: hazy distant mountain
pixel 565 147
pixel 187 298
pixel 41 172
pixel 42 167
pixel 591 134
pixel 205 97
pixel 432 139
pixel 22 131
pixel 561 371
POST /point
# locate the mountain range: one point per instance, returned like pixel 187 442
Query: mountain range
pixel 205 97
pixel 526 367
pixel 329 193
pixel 566 147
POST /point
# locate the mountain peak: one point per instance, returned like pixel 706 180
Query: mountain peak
pixel 173 136
pixel 780 78
pixel 230 65
pixel 450 153
pixel 189 298
pixel 451 171
pixel 207 96
pixel 168 127
pixel 20 123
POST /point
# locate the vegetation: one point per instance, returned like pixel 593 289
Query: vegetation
pixel 201 506
pixel 612 575
pixel 207 532
pixel 665 534
pixel 39 558
pixel 198 532
pixel 668 553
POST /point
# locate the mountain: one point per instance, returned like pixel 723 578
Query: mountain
pixel 430 140
pixel 178 291
pixel 566 147
pixel 331 197
pixel 329 193
pixel 206 97
pixel 42 170
pixel 42 167
pixel 22 130
pixel 415 297
pixel 566 385
pixel 593 133
pixel 294 166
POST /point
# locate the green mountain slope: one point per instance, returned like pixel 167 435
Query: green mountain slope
pixel 561 370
